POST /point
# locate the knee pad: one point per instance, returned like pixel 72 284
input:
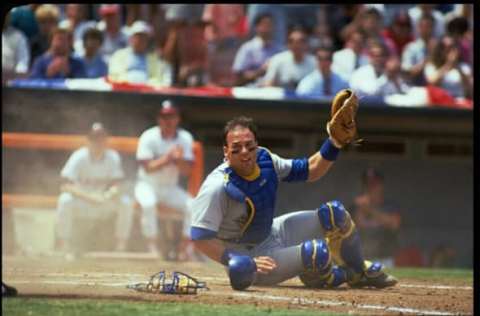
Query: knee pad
pixel 316 256
pixel 341 235
pixel 319 271
pixel 242 271
pixel 334 218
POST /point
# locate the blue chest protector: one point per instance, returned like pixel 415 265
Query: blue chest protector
pixel 259 195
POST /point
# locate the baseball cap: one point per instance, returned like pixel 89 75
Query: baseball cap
pixel 371 175
pixel 140 27
pixel 97 131
pixel 106 9
pixel 168 108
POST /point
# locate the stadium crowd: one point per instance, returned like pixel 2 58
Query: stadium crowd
pixel 312 50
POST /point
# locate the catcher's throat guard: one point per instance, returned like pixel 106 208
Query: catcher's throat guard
pixel 179 283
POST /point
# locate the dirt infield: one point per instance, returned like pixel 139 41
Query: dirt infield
pixel 107 278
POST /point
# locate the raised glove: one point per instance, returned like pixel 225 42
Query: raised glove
pixel 342 128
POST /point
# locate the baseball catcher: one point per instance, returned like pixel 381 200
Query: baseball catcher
pixel 233 214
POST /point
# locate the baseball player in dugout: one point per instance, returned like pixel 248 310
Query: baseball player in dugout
pixel 164 154
pixel 233 219
pixel 91 193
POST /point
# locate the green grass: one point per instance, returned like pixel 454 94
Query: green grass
pixel 80 307
pixel 433 274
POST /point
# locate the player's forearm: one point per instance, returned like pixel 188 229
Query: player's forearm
pixel 212 248
pixel 155 164
pixel 317 166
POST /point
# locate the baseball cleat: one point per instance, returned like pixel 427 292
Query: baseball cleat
pixel 381 281
pixel 373 276
pixel 8 290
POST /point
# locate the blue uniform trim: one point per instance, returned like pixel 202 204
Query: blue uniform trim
pixel 328 150
pixel 299 171
pixel 198 233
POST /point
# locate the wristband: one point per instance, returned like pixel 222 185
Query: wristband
pixel 328 150
pixel 227 255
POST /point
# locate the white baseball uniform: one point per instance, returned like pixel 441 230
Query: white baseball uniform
pixel 93 176
pixel 161 186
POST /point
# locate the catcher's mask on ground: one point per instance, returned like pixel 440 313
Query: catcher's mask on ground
pixel 180 283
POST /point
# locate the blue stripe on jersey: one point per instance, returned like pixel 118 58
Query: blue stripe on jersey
pixel 299 171
pixel 198 233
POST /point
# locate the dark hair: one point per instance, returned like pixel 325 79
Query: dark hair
pixel 324 48
pixel 93 33
pixel 296 28
pixel 457 26
pixel 242 121
pixel 260 17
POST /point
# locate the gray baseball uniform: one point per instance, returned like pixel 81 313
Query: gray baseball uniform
pixel 249 228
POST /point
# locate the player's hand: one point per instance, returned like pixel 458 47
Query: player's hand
pixel 177 153
pixel 265 264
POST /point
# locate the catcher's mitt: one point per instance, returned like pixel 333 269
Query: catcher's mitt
pixel 342 127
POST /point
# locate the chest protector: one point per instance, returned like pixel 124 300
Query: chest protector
pixel 258 194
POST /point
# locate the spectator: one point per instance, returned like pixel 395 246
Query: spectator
pixel 369 20
pixel 75 22
pixel 95 66
pixel 225 24
pixel 459 29
pixel 136 64
pixel 226 27
pixel 164 153
pixel 446 69
pixel 57 62
pixel 15 52
pixel 350 58
pixel 392 82
pixel 115 36
pixel 377 220
pixel 250 63
pixel 186 47
pixel 322 82
pixel 287 68
pixel 23 19
pixel 365 80
pixel 416 13
pixel 90 192
pixel 279 18
pixel 414 57
pixel 47 19
pixel 338 16
pixel 399 32
pixel 321 37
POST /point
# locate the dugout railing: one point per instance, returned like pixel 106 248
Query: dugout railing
pixel 52 142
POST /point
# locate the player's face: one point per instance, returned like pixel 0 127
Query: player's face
pixel 168 124
pixel 97 146
pixel 241 150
